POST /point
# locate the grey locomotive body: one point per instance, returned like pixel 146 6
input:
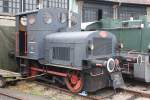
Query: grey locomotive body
pixel 44 43
pixel 72 48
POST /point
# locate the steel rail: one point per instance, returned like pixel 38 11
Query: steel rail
pixel 139 93
pixel 9 96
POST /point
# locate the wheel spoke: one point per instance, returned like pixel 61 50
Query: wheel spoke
pixel 74 81
pixel 78 85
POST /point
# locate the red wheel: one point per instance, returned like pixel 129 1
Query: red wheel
pixel 74 81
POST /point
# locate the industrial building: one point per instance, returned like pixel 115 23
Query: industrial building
pixel 91 9
pixel 117 9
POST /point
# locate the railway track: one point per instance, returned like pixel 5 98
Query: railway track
pixel 98 96
pixel 143 91
pixel 135 94
pixel 66 91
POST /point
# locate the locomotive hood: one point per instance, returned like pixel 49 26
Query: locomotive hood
pixel 78 37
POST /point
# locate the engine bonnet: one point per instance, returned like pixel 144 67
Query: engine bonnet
pixel 76 37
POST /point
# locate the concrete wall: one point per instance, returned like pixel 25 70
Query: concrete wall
pixel 7 21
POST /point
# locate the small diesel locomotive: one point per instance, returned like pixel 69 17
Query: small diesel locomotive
pixel 134 36
pixel 82 60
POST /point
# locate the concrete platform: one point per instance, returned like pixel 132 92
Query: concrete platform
pixel 6 73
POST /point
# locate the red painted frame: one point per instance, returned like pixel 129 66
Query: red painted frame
pixel 49 72
pixel 17 43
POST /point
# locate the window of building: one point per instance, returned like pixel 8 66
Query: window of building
pixel 57 3
pixel 100 14
pixel 95 12
pixel 29 5
pixel 125 12
pixel 16 6
pixel 5 6
pixel 90 14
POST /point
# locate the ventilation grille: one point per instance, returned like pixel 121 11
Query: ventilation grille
pixel 61 53
pixel 102 46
